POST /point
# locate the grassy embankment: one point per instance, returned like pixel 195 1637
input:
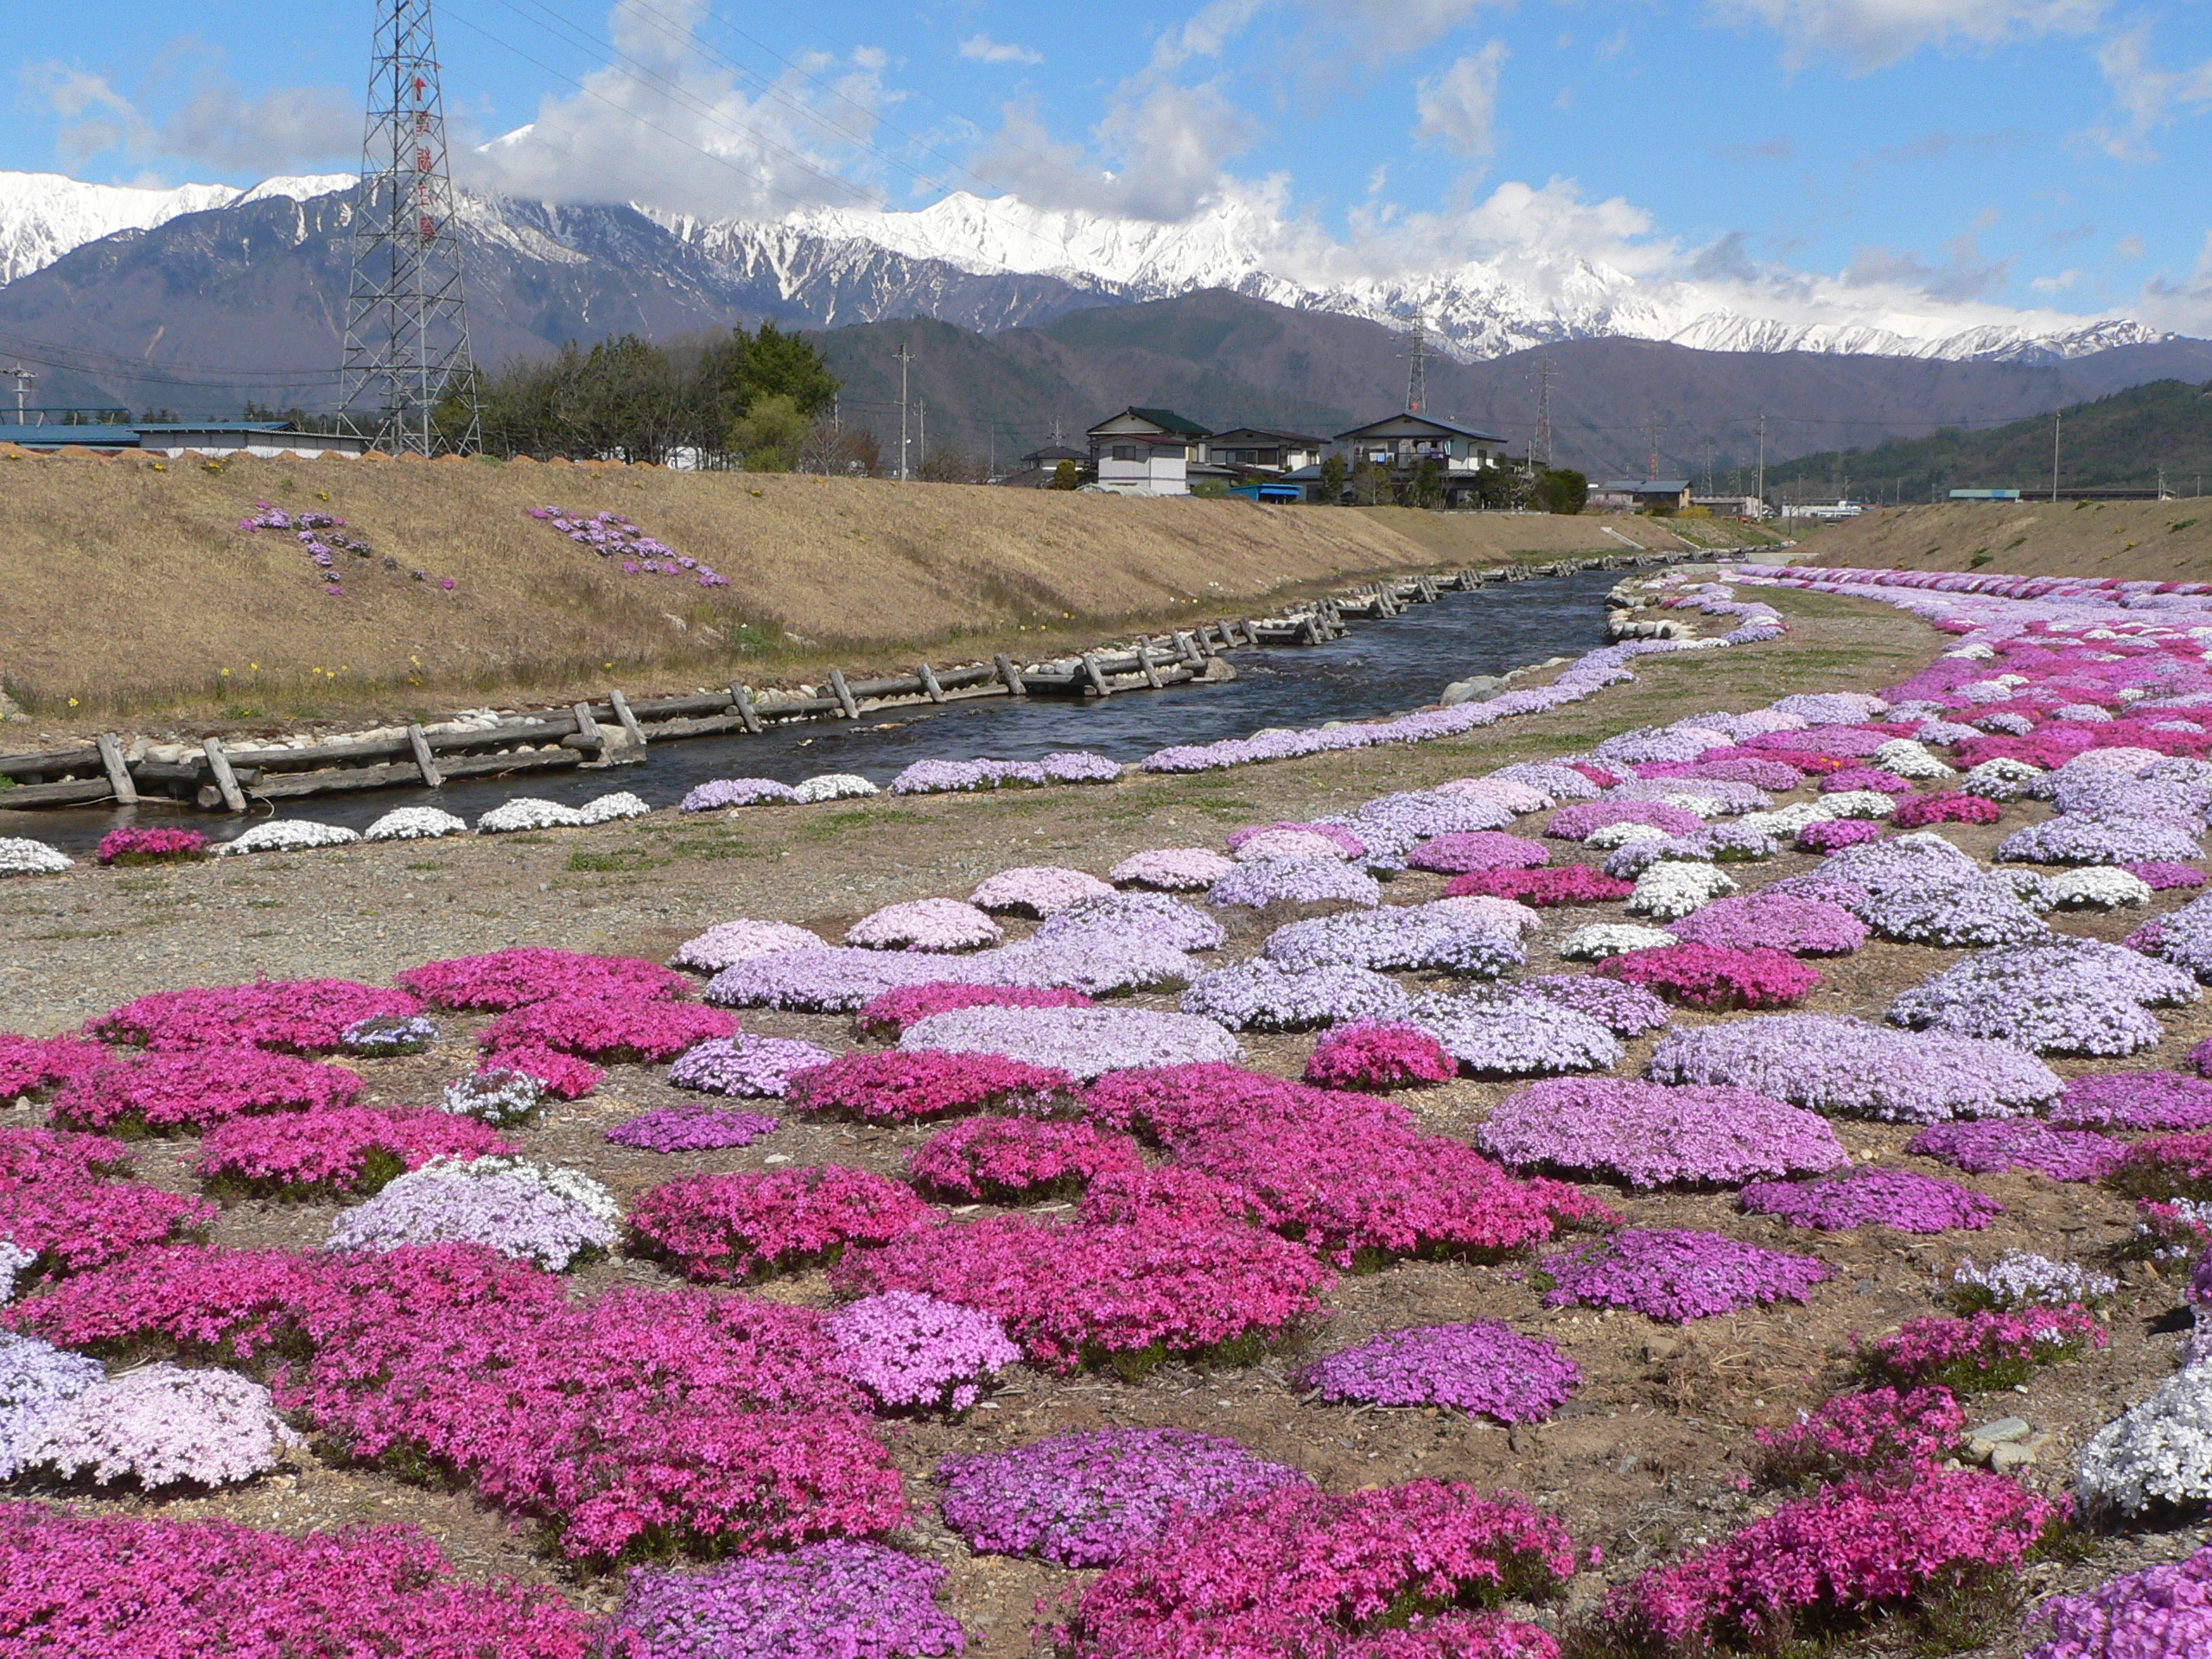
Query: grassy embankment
pixel 131 589
pixel 2161 540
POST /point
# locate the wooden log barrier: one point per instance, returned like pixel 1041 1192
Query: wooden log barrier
pixel 1144 665
pixel 118 775
pixel 587 727
pixel 742 697
pixel 1010 675
pixel 226 783
pixel 1091 674
pixel 928 678
pixel 636 733
pixel 425 767
pixel 844 694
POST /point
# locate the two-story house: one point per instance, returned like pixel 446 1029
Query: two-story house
pixel 1147 452
pixel 1260 448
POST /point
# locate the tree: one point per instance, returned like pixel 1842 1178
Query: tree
pixel 768 438
pixel 1332 480
pixel 1561 490
pixel 1065 477
pixel 1428 484
pixel 1371 484
pixel 840 451
pixel 734 374
pixel 949 466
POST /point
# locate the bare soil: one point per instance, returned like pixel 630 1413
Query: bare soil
pixel 1648 1459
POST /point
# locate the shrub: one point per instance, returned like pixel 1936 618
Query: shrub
pixel 502 980
pixel 55 1205
pixel 1370 1055
pixel 753 1067
pixel 30 1065
pixel 1774 921
pixel 924 925
pixel 493 1095
pixel 1624 1010
pixel 300 1016
pixel 352 1150
pixel 1676 1276
pixel 159 1427
pixel 1718 977
pixel 1876 1197
pixel 728 942
pixel 1509 1035
pixel 898 1087
pixel 835 1600
pixel 2157 1455
pixel 1080 1042
pixel 1009 1160
pixel 1173 869
pixel 727 1228
pixel 1565 884
pixel 1979 1352
pixel 37 1381
pixel 1298 882
pixel 914 1353
pixel 2020 1279
pixel 1263 995
pixel 2166 1166
pixel 1478 849
pixel 1880 1431
pixel 886 1017
pixel 1649 1136
pixel 1923 809
pixel 2135 1100
pixel 1579 823
pixel 2156 1612
pixel 383 1036
pixel 1831 835
pixel 1483 1368
pixel 1036 890
pixel 1397 937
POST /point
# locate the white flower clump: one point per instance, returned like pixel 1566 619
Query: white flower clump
pixel 19 856
pixel 834 787
pixel 1784 822
pixel 1908 759
pixel 1858 804
pixel 2097 886
pixel 162 1425
pixel 288 835
pixel 1481 910
pixel 607 808
pixel 415 824
pixel 1598 940
pixel 12 1259
pixel 1973 651
pixel 1672 890
pixel 2001 780
pixel 527 812
pixel 2161 1452
pixel 1608 837
pixel 497 1097
pixel 571 1185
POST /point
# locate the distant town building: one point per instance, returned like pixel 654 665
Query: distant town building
pixel 1730 506
pixel 214 439
pixel 1822 512
pixel 1040 467
pixel 1639 495
pixel 1263 449
pixel 1147 452
pixel 1403 441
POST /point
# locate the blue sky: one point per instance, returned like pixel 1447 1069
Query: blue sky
pixel 2036 155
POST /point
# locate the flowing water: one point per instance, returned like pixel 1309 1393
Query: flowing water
pixel 1378 668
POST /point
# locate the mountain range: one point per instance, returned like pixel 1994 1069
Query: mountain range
pixel 195 299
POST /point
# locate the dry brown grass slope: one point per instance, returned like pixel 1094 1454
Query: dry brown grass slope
pixel 2162 541
pixel 129 587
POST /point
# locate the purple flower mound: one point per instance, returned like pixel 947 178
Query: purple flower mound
pixel 1873 1198
pixel 1779 921
pixel 1509 1035
pixel 2160 876
pixel 1624 1010
pixel 1090 1499
pixel 2136 1100
pixel 1561 783
pixel 1266 882
pixel 1478 849
pixel 2022 1143
pixel 1648 1135
pixel 1483 1368
pixel 2160 1612
pixel 1262 995
pixel 822 1601
pixel 690 1129
pixel 2067 839
pixel 734 791
pixel 1079 766
pixel 754 1067
pixel 1349 844
pixel 2067 995
pixel 1394 938
pixel 1832 834
pixel 1579 823
pixel 915 1353
pixel 1157 917
pixel 1422 813
pixel 1865 778
pixel 1676 1276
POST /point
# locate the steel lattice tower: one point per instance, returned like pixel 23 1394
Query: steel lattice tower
pixel 406 325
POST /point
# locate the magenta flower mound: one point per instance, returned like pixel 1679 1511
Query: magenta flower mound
pixel 30 1065
pixel 1298 1573
pixel 1868 1197
pixel 2166 1166
pixel 1579 823
pixel 727 1228
pixel 508 979
pixel 1478 849
pixel 1370 1055
pixel 1564 884
pixel 2019 1143
pixel 2160 877
pixel 1619 1129
pixel 1865 778
pixel 344 1151
pixel 898 1087
pixel 915 1353
pixel 1855 1549
pixel 1127 1293
pixel 85 1585
pixel 611 1030
pixel 1676 1276
pixel 160 1093
pixel 1881 1431
pixel 887 1016
pixel 2158 1612
pixel 300 1016
pixel 836 1600
pixel 1715 976
pixel 1924 809
pixel 129 845
pixel 1774 921
pixel 1175 1106
pixel 690 1129
pixel 1036 890
pixel 924 925
pixel 57 1206
pixel 1093 1497
pixel 753 1067
pixel 1010 1161
pixel 2135 1100
pixel 1483 1368
pixel 1830 835
pixel 1980 1351
pixel 561 1075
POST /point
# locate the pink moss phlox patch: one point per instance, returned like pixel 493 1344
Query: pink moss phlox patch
pixel 58 1204
pixel 30 1065
pixel 924 925
pixel 1649 1135
pixel 2166 1166
pixel 2161 876
pixel 132 845
pixel 1830 835
pixel 2135 1100
pixel 1869 1196
pixel 1478 849
pixel 347 1150
pixel 2002 1144
pixel 501 980
pixel 1564 884
pixel 725 1228
pixel 606 1030
pixel 1036 890
pixel 1010 1160
pixel 1173 1105
pixel 1714 976
pixel 1676 1275
pixel 562 1076
pixel 914 1353
pixel 1348 845
pixel 886 1017
pixel 1579 823
pixel 1373 1056
pixel 1983 1351
pixel 1878 1431
pixel 1776 921
pixel 1483 1368
pixel 896 1086
pixel 162 1092
pixel 1923 809
pixel 301 1016
pixel 1887 782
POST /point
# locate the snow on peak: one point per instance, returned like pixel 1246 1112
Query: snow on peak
pixel 44 215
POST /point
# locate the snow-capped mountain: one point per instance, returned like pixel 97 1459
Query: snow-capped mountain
pixel 44 215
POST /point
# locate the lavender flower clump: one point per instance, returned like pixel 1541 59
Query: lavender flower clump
pixel 1836 1065
pixel 1483 1368
pixel 2019 1143
pixel 14 1261
pixel 1802 926
pixel 2182 937
pixel 1873 1198
pixel 1300 882
pixel 2021 1278
pixel 1676 1276
pixel 36 1380
pixel 1090 1498
pixel 2069 840
pixel 1508 1035
pixel 1650 1136
pixel 1263 996
pixel 1037 889
pixel 1624 1009
pixel 1083 1042
pixel 2065 996
pixel 726 943
pixel 1632 858
pixel 924 925
pixel 2135 1100
pixel 1079 766
pixel 2156 1612
pixel 550 1216
pixel 1154 915
pixel 719 792
pixel 1561 783
pixel 1425 813
pixel 1391 939
pixel 1173 869
pixel 1979 910
pixel 160 1426
pixel 690 1129
pixel 914 1353
pixel 836 1600
pixel 757 1068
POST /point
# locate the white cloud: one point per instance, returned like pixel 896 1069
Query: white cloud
pixel 2185 305
pixel 2149 97
pixel 1869 34
pixel 214 124
pixel 1158 154
pixel 982 48
pixel 1458 107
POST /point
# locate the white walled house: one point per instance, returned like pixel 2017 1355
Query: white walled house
pixel 1147 452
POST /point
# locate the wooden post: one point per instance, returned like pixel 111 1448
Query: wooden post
pixel 743 701
pixel 588 729
pixel 629 721
pixel 1251 633
pixel 1010 675
pixel 1187 649
pixel 118 775
pixel 928 676
pixel 1091 672
pixel 844 694
pixel 420 744
pixel 225 779
pixel 1144 661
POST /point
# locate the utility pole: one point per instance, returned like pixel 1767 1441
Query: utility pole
pixel 1651 469
pixel 1761 487
pixel 2056 418
pixel 1708 465
pixel 904 357
pixel 922 410
pixel 21 376
pixel 1417 369
pixel 1541 455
